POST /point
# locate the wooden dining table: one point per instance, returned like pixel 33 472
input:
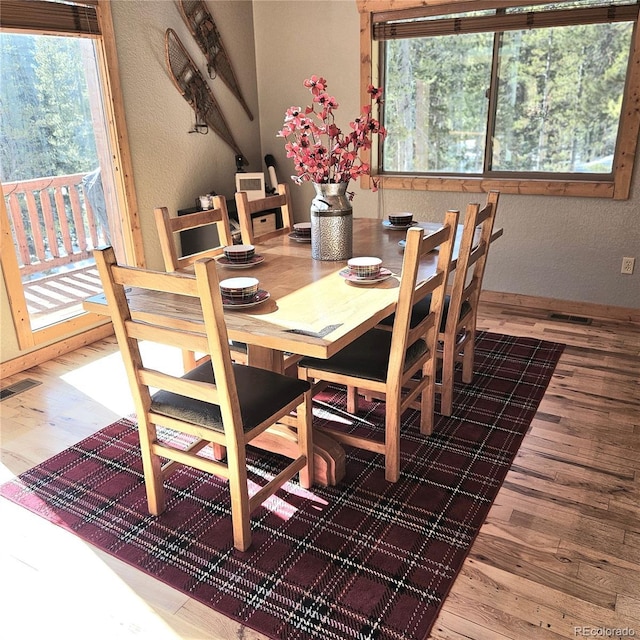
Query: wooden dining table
pixel 311 310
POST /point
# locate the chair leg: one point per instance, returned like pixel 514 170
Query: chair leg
pixel 427 405
pixel 468 356
pixel 446 386
pixel 392 440
pixel 188 361
pixel 152 468
pixel 239 490
pixel 219 451
pixel 305 440
pixel 352 399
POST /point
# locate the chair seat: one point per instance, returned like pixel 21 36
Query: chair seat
pixel 367 357
pixel 421 310
pixel 260 393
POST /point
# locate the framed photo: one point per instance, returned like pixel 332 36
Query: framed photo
pixel 252 184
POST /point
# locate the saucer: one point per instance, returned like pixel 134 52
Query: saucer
pixel 381 277
pixel 300 238
pixel 225 262
pixel 259 298
pixel 388 225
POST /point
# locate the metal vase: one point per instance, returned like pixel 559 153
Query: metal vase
pixel 331 223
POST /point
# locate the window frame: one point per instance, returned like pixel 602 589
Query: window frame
pixel 617 187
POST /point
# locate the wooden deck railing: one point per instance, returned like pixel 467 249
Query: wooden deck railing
pixel 53 222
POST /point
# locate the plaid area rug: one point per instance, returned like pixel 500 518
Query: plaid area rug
pixel 364 559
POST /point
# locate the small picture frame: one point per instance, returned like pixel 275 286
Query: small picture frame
pixel 252 184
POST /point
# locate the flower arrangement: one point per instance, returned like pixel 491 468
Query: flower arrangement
pixel 321 152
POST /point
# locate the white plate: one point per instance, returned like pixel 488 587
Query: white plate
pixel 381 277
pixel 259 298
pixel 225 262
pixel 388 225
pixel 298 238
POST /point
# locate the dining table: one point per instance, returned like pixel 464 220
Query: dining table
pixel 308 307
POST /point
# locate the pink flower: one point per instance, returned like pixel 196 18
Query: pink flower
pixel 316 84
pixel 320 151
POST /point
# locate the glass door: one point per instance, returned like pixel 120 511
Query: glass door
pixel 57 174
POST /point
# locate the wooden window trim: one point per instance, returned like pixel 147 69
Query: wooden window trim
pixel 618 188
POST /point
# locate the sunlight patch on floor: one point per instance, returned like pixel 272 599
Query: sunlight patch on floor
pixel 65 586
pixel 105 380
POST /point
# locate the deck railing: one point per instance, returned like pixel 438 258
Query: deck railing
pixel 53 221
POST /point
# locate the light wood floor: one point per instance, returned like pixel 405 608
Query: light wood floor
pixel 558 557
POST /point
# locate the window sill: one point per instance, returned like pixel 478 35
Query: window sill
pixel 574 188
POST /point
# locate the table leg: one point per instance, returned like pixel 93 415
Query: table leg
pixel 328 457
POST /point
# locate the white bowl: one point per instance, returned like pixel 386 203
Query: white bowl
pixel 239 253
pixel 364 267
pixel 239 288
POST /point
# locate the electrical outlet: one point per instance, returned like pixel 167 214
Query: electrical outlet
pixel 627 265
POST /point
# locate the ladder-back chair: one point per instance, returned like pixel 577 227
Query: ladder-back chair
pixel 219 403
pixel 458 326
pixel 169 229
pixel 383 363
pixel 247 208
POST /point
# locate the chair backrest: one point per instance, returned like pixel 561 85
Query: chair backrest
pixel 163 324
pixel 168 227
pixel 472 259
pixel 246 208
pixel 412 291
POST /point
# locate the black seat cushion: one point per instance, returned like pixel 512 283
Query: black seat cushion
pixel 239 347
pixel 261 394
pixel 421 310
pixel 367 357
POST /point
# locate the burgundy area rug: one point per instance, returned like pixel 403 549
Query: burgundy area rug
pixel 364 559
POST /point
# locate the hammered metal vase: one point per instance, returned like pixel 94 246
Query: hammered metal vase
pixel 331 223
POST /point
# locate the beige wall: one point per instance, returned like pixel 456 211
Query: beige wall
pixel 567 248
pixel 172 167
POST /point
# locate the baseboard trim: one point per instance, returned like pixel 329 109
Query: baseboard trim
pixel 568 307
pixel 44 354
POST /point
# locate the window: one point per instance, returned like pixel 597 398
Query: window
pixel 532 98
pixel 65 169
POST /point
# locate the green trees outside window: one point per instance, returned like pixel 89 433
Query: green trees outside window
pixel 545 100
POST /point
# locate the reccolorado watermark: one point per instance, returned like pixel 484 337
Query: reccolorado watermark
pixel 604 632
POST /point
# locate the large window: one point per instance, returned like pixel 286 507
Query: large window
pixel 534 98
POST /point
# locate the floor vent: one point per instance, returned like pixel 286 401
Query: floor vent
pixel 565 318
pixel 18 387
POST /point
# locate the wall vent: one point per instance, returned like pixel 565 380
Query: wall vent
pixel 18 387
pixel 573 319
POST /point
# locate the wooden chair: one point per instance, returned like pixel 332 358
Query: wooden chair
pixel 168 227
pixel 168 230
pixel 458 326
pixel 383 363
pixel 219 403
pixel 246 208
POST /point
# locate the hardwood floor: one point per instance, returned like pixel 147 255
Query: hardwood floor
pixel 558 557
